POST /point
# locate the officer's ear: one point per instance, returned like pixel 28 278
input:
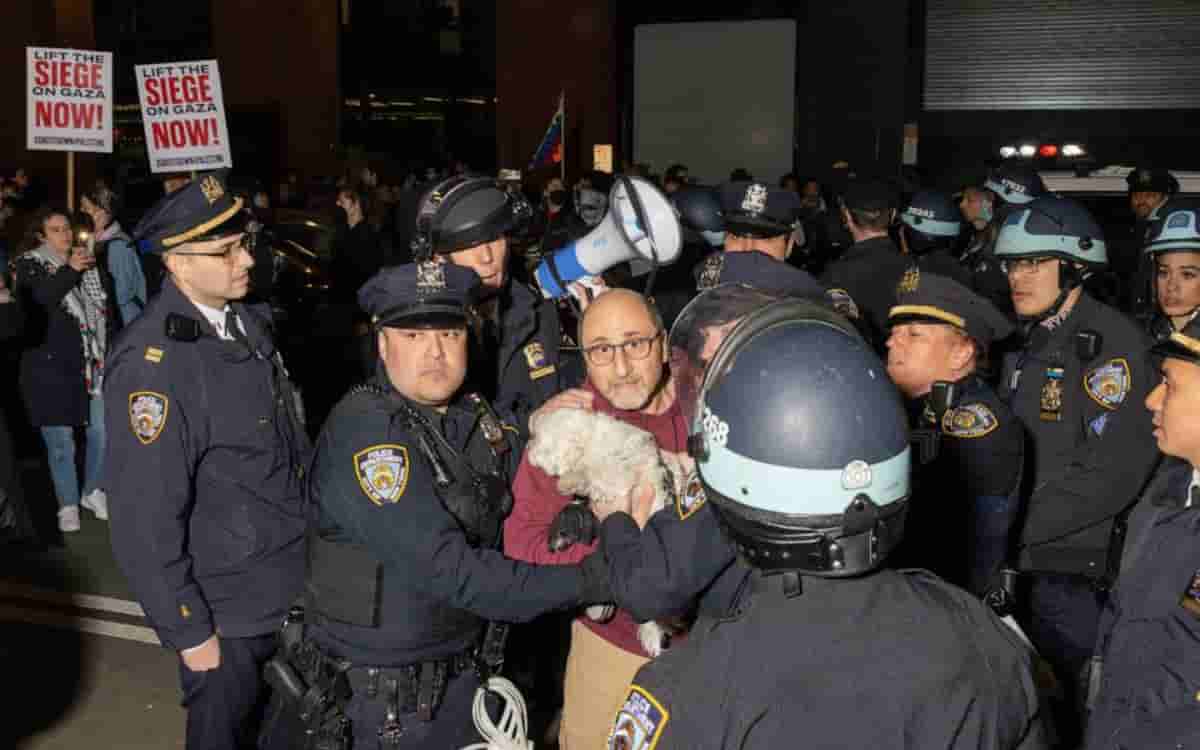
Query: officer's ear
pixel 381 343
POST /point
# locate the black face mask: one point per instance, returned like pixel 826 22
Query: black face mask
pixel 557 197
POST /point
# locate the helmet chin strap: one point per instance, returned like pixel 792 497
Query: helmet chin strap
pixel 1069 278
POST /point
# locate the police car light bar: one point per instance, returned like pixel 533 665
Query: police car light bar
pixel 1028 149
pixel 1048 150
pixel 1073 150
pixel 1008 152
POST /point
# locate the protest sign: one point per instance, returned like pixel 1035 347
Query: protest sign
pixel 183 113
pixel 69 100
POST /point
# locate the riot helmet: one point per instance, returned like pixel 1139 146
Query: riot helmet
pixel 931 220
pixel 1015 183
pixel 465 211
pixel 801 442
pixel 699 209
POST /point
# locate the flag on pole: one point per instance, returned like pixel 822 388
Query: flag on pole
pixel 550 151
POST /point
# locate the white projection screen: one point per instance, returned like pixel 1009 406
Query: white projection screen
pixel 716 96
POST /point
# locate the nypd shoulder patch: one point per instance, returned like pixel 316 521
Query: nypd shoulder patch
pixel 1110 383
pixel 691 499
pixel 382 472
pixel 639 724
pixel 969 421
pixel 148 415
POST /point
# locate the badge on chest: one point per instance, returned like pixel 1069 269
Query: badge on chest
pixel 1191 595
pixel 1052 394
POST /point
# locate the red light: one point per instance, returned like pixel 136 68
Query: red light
pixel 1049 151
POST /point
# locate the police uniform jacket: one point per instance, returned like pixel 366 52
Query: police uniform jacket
pixel 1089 433
pixel 888 660
pixel 868 272
pixel 52 368
pixel 1151 626
pixel 943 263
pixel 968 461
pixel 988 280
pixel 396 577
pixel 520 368
pixel 204 471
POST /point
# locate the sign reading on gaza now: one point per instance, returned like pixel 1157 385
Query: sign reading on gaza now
pixel 183 113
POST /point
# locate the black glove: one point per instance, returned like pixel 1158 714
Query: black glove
pixel 573 524
pixel 595 579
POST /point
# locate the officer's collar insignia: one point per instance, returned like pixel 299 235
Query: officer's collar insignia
pixel 755 199
pixel 431 278
pixel 535 357
pixel 148 415
pixel 639 724
pixel 154 354
pixel 691 499
pixel 710 271
pixel 382 472
pixel 1109 384
pixel 969 421
pixel 909 281
pixel 212 189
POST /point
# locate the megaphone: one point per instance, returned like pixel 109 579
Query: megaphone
pixel 656 238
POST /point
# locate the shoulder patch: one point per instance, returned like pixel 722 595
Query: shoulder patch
pixel 691 499
pixel 382 472
pixel 639 724
pixel 969 421
pixel 1109 384
pixel 148 415
pixel 710 271
pixel 154 354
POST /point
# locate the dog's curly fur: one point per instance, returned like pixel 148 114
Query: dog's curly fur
pixel 601 458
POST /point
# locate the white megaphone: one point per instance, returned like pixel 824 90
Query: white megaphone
pixel 618 238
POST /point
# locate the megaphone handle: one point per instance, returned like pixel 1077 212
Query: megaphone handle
pixel 639 211
pixel 552 266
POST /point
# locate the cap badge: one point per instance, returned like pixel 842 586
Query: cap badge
pixel 212 189
pixel 755 200
pixel 909 281
pixel 431 277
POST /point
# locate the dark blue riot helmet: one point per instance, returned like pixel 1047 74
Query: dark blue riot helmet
pixel 801 441
pixel 1015 183
pixel 464 211
pixel 931 220
pixel 700 215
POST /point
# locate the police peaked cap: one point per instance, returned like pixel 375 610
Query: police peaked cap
pixel 756 209
pixel 1146 179
pixel 426 294
pixel 202 210
pixel 929 298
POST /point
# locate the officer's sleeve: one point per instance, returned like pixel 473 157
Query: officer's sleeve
pixel 536 503
pixel 403 523
pixel 153 445
pixel 659 571
pixel 1105 473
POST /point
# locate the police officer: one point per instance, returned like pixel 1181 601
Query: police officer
pixel 930 227
pixel 967 467
pixel 409 491
pixel 1146 670
pixel 1149 190
pixel 760 222
pixel 1172 253
pixel 864 279
pixel 206 453
pixel 518 363
pixel 1076 386
pixel 817 631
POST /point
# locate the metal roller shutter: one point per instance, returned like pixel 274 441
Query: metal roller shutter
pixel 1062 55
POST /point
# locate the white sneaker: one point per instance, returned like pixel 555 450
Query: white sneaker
pixel 97 502
pixel 68 519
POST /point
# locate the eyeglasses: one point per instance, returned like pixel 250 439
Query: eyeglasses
pixel 1023 265
pixel 639 348
pixel 228 251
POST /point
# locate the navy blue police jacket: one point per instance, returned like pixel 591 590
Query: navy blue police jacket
pixel 1149 676
pixel 204 471
pixel 373 488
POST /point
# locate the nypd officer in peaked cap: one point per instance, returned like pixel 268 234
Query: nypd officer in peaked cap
pixel 409 490
pixel 968 446
pixel 760 222
pixel 206 457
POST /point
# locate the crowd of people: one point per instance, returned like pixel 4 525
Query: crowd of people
pixel 868 465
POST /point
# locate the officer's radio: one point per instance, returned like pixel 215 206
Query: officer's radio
pixel 1087 344
pixel 182 328
pixel 942 396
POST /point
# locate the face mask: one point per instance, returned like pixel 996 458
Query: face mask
pixel 985 212
pixel 716 239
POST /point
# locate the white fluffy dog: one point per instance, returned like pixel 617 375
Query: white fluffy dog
pixel 603 459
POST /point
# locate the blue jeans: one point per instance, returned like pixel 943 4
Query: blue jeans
pixel 60 450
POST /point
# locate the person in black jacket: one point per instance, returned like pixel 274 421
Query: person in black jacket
pixel 15 523
pixel 206 461
pixel 69 303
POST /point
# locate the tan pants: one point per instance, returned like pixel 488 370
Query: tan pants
pixel 597 682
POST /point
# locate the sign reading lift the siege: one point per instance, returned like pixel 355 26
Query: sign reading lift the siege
pixel 69 100
pixel 184 116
